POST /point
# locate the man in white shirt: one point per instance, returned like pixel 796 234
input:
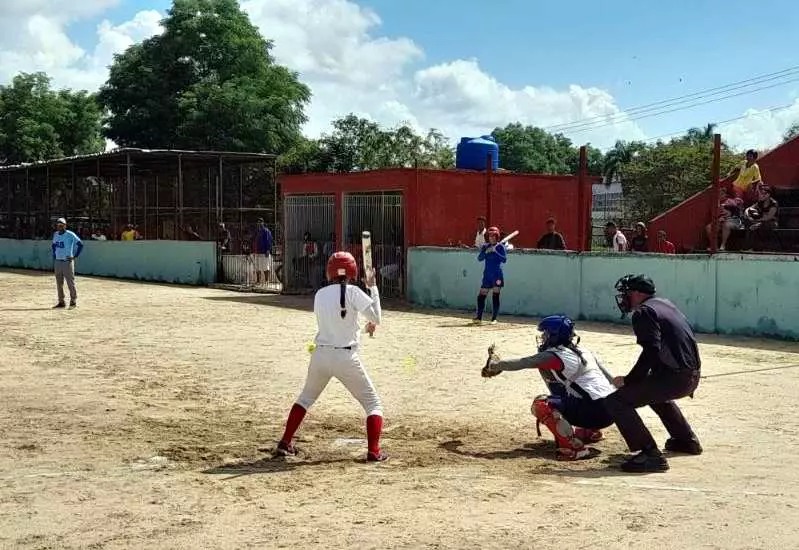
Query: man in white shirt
pixel 616 240
pixel 480 237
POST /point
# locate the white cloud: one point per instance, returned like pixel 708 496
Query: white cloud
pixel 37 41
pixel 337 48
pixel 760 129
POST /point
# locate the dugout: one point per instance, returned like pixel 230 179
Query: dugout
pixel 407 207
pixel 167 194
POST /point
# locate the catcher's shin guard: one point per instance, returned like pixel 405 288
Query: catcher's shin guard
pixel 569 446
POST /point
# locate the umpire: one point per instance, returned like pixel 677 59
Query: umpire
pixel 667 369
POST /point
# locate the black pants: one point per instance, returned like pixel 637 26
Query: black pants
pixel 658 391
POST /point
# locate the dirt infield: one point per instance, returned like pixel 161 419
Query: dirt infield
pixel 135 422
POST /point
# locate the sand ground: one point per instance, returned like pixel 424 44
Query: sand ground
pixel 135 422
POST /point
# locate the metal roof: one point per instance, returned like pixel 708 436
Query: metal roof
pixel 142 153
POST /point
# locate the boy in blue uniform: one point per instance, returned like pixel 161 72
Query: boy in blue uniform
pixel 66 247
pixel 494 255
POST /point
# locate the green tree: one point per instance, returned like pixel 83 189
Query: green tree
pixel 534 150
pixel 38 123
pixel 665 174
pixel 208 82
pixel 791 133
pixel 617 158
pixel 357 144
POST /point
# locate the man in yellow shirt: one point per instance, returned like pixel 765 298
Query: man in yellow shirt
pixel 748 177
pixel 130 233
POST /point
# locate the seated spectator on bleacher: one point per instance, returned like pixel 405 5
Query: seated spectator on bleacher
pixel 729 218
pixel 761 217
pixel 129 234
pixel 663 245
pixel 747 178
pixel 615 239
pixel 551 240
pixel 640 242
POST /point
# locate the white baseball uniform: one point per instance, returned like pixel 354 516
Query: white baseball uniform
pixel 337 342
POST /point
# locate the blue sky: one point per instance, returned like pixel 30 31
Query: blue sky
pixel 465 66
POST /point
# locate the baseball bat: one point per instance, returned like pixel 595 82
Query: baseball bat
pixel 366 251
pixel 509 237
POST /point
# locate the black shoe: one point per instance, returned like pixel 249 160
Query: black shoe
pixel 60 305
pixel 645 462
pixel 686 446
pixel 72 305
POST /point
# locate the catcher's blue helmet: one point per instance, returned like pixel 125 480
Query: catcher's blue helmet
pixel 556 330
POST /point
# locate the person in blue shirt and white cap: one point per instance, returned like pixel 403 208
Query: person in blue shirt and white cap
pixel 66 247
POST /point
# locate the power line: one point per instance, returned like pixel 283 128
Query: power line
pixel 718 90
pixel 722 122
pixel 683 108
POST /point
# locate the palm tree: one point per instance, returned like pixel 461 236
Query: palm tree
pixel 699 136
pixel 616 159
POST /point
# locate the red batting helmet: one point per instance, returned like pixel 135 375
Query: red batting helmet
pixel 342 264
pixel 493 231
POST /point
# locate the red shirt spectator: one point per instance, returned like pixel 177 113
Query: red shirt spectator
pixel 664 246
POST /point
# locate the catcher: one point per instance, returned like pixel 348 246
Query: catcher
pixel 577 381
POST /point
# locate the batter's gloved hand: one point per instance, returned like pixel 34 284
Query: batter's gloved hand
pixel 489 371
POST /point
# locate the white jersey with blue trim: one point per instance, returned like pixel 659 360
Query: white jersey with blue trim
pixel 591 377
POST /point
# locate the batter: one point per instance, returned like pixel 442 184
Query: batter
pixel 493 253
pixel 336 307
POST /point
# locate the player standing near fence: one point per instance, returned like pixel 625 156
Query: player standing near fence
pixel 336 307
pixel 66 247
pixel 493 253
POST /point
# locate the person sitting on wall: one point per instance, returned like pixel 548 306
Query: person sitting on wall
pixel 640 242
pixel 747 178
pixel 729 217
pixel 761 217
pixel 663 245
pixel 552 239
pixel 616 240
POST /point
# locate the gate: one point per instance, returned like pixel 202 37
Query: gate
pixel 310 227
pixel 380 214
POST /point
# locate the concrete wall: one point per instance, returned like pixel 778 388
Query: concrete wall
pixel 183 262
pixel 736 294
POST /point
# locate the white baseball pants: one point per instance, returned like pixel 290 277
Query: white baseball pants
pixel 327 363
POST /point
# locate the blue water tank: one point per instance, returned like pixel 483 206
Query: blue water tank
pixel 471 153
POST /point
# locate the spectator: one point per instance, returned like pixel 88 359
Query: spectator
pixel 192 234
pixel 223 238
pixel 663 245
pixel 761 217
pixel 480 237
pixel 262 252
pixel 330 247
pixel 99 235
pixel 551 240
pixel 640 242
pixel 729 217
pixel 129 234
pixel 616 240
pixel 747 177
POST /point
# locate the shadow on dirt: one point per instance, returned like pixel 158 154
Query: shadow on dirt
pixel 270 465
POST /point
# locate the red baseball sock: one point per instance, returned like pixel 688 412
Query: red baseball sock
pixel 293 423
pixel 374 425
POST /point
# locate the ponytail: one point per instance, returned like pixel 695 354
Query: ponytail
pixel 342 281
pixel 572 345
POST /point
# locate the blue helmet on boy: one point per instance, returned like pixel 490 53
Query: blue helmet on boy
pixel 556 330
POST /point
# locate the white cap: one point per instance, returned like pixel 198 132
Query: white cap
pixel 61 220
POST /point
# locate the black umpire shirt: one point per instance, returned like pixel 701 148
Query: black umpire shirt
pixel 667 340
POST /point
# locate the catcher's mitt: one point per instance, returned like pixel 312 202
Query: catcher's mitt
pixel 488 370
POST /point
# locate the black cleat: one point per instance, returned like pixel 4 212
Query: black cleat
pixel 286 449
pixel 686 446
pixel 72 305
pixel 60 305
pixel 379 456
pixel 645 462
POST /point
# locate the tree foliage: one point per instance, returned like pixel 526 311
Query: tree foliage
pixel 357 144
pixel 38 123
pixel 791 133
pixel 533 150
pixel 660 176
pixel 208 82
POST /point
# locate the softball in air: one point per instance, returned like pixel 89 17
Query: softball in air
pixel 311 347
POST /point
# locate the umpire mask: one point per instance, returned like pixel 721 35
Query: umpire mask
pixel 629 284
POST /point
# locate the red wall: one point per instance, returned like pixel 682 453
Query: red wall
pixel 441 206
pixel 780 167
